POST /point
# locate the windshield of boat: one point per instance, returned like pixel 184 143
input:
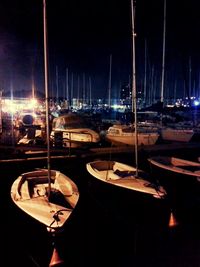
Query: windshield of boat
pixel 67 122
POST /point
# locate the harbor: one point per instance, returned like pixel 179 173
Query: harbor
pixel 99 166
pixel 98 234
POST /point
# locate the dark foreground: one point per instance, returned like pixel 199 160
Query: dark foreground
pixel 98 234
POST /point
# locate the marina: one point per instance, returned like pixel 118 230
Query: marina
pixel 98 234
pixel 99 166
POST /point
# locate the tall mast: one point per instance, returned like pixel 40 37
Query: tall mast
pixel 78 92
pixel 46 93
pixel 72 89
pixel 145 74
pixel 83 90
pixel 90 92
pixel 109 82
pixel 134 96
pixel 1 112
pixel 67 86
pixel 33 86
pixel 163 56
pixel 57 94
pixel 190 80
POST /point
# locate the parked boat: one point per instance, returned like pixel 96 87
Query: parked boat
pixel 70 130
pixel 33 136
pixel 180 178
pixel 51 208
pixel 176 134
pixel 46 195
pixel 123 175
pixel 123 184
pixel 177 165
pixel 124 134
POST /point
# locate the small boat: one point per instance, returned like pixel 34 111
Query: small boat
pixel 180 178
pixel 123 175
pixel 47 195
pixel 124 134
pixel 32 137
pixel 70 130
pixel 30 193
pixel 176 165
pixel 123 186
pixel 177 134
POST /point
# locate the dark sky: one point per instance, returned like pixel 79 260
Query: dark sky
pixel 83 34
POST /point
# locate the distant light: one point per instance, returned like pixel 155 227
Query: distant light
pixel 170 106
pixel 196 103
pixel 33 102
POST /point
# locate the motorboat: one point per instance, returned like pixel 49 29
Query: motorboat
pixel 70 130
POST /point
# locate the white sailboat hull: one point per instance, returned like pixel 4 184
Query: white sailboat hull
pixel 177 165
pixel 29 193
pixel 123 175
pixel 123 134
pixel 143 139
pixel 177 135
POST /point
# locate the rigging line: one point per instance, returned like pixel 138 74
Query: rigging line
pixel 109 160
pixel 33 260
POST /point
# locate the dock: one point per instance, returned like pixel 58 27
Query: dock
pixel 27 153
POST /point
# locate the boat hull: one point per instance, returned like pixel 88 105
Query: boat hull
pixel 143 139
pixel 30 193
pixel 135 205
pixel 180 178
pixel 177 135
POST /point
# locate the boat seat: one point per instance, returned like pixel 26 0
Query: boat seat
pixel 25 192
pixel 32 181
pixel 124 174
pixel 23 179
pixel 103 165
pixel 39 180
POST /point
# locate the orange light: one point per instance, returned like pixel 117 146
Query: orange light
pixel 172 220
pixel 55 259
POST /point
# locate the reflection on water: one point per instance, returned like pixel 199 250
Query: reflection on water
pixel 100 232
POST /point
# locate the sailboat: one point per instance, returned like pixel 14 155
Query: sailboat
pixel 30 193
pixel 123 175
pixel 183 167
pixel 48 196
pixel 121 134
pixel 122 179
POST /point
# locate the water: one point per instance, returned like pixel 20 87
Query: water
pixel 97 234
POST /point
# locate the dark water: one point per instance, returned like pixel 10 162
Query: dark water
pixel 101 231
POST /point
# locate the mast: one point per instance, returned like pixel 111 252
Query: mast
pixel 33 86
pixel 1 112
pixel 190 80
pixel 134 96
pixel 78 92
pixel 163 56
pixel 145 75
pixel 90 92
pixel 83 104
pixel 72 90
pixel 67 86
pixel 46 94
pixel 57 94
pixel 109 82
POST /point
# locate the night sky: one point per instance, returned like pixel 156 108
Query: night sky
pixel 83 34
